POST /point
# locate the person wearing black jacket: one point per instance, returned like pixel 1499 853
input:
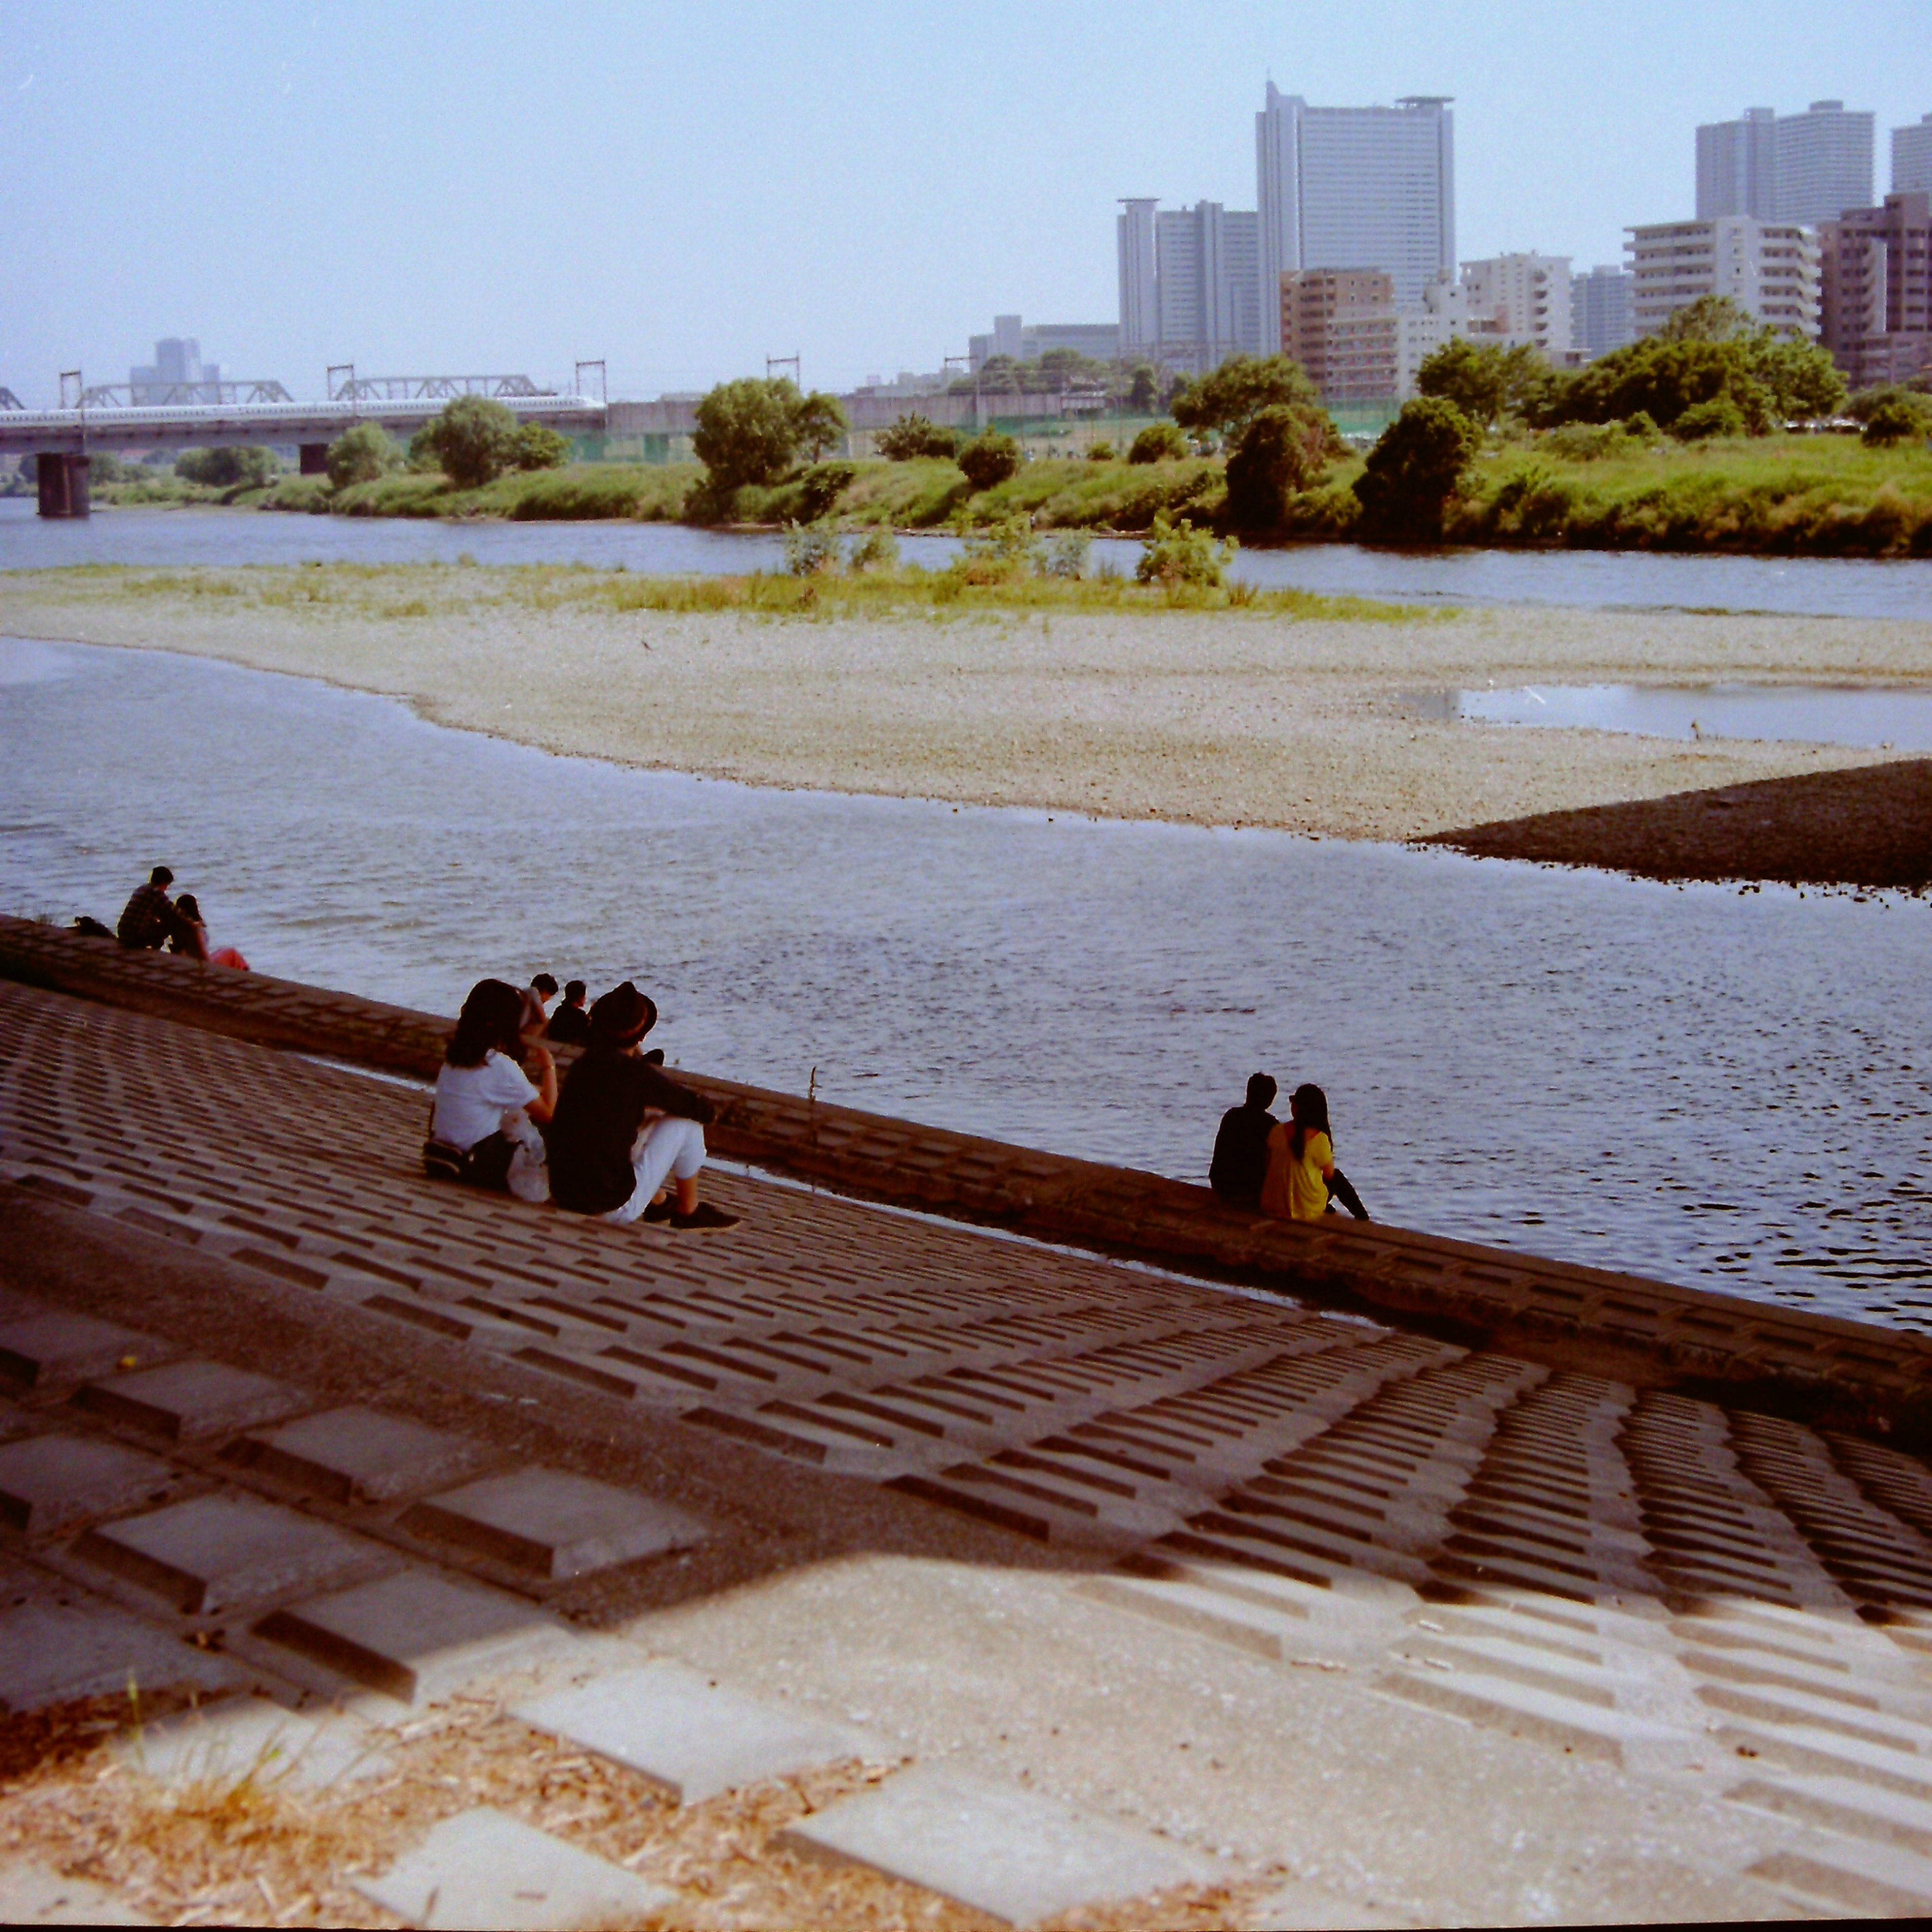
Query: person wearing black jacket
pixel 570 1025
pixel 623 1128
pixel 1240 1159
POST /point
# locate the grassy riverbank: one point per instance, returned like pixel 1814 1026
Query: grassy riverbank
pixel 1796 496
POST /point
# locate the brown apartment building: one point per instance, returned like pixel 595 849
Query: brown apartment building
pixel 1876 290
pixel 1339 324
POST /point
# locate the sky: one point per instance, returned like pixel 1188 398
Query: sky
pixel 684 190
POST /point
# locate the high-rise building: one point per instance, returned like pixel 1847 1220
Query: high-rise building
pixel 1807 168
pixel 1912 158
pixel 1601 307
pixel 1737 166
pixel 176 375
pixel 1355 188
pixel 1190 290
pixel 1769 268
pixel 1877 292
pixel 1339 324
pixel 1526 297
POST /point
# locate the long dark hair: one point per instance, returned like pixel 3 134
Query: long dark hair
pixel 492 1016
pixel 1310 1106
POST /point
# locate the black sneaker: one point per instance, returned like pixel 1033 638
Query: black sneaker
pixel 704 1219
pixel 658 1211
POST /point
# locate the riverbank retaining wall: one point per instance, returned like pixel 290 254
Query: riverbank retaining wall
pixel 1647 1332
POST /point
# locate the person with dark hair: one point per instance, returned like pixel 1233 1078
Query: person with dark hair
pixel 624 1128
pixel 147 921
pixel 484 1127
pixel 1240 1160
pixel 1302 1174
pixel 537 997
pixel 190 938
pixel 570 1025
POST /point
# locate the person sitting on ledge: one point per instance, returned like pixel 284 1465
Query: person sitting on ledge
pixel 623 1128
pixel 1301 1170
pixel 537 997
pixel 148 922
pixel 1240 1160
pixel 570 1025
pixel 484 1129
pixel 190 938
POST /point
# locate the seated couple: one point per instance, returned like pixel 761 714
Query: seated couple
pixel 1286 1169
pixel 616 1141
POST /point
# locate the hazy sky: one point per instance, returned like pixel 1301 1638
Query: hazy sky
pixel 684 190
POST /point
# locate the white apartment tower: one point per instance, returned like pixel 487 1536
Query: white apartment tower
pixel 1190 283
pixel 1355 188
pixel 1524 297
pixel 1912 159
pixel 1769 268
pixel 1806 168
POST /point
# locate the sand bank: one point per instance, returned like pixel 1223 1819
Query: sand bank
pixel 1212 718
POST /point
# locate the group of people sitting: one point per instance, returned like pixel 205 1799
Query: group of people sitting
pixel 617 1138
pixel 1283 1168
pixel 152 923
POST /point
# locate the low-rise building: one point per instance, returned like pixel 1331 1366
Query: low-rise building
pixel 1876 290
pixel 1028 341
pixel 1523 298
pixel 1340 325
pixel 1769 268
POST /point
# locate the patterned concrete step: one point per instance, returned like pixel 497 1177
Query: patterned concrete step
pixel 1183 1603
pixel 483 1867
pixel 50 1651
pixel 32 1895
pixel 1565 1722
pixel 216 1553
pixel 677 1727
pixel 1844 1806
pixel 49 1484
pixel 1016 1855
pixel 417 1635
pixel 191 1401
pixel 357 1455
pixel 553 1524
pixel 1864 1880
pixel 58 1346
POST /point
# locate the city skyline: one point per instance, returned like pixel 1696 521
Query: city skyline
pixel 685 202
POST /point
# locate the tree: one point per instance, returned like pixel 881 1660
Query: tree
pixel 1157 443
pixel 473 440
pixel 747 431
pixel 1770 378
pixel 989 458
pixel 224 469
pixel 1226 400
pixel 1468 374
pixel 1897 417
pixel 1416 467
pixel 1709 318
pixel 1143 390
pixel 539 447
pixel 1801 379
pixel 360 455
pixel 818 422
pixel 1720 416
pixel 1284 447
pixel 914 436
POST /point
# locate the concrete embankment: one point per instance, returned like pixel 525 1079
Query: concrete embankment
pixel 1646 1332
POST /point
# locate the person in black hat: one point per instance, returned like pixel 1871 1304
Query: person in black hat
pixel 570 1025
pixel 623 1128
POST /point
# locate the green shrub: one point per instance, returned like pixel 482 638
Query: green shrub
pixel 539 447
pixel 1898 418
pixel 1719 416
pixel 1158 443
pixel 1287 447
pixel 225 468
pixel 877 550
pixel 360 455
pixel 1068 554
pixel 999 553
pixel 1589 442
pixel 473 441
pixel 1177 556
pixel 1641 427
pixel 820 487
pixel 1100 452
pixel 1416 467
pixel 913 436
pixel 812 550
pixel 990 458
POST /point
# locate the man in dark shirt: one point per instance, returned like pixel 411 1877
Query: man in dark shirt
pixel 148 921
pixel 1240 1148
pixel 570 1025
pixel 623 1128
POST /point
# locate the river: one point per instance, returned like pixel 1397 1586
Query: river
pixel 1633 579
pixel 1724 1090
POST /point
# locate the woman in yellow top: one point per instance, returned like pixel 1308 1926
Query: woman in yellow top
pixel 1301 1160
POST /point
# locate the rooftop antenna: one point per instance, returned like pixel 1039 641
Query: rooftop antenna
pixel 784 362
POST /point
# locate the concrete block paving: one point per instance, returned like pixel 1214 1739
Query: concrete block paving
pixel 51 1482
pixel 190 1402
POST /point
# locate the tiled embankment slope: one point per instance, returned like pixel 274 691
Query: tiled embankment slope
pixel 1570 1315
pixel 1458 1632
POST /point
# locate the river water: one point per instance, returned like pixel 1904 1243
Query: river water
pixel 1596 580
pixel 1732 1090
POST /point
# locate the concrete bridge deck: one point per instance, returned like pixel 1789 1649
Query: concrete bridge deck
pixel 862 1568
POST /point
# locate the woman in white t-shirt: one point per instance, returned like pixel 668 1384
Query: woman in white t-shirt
pixel 483 1128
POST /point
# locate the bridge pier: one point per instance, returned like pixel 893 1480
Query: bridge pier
pixel 63 482
pixel 315 459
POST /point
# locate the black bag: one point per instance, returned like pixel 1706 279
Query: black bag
pixel 486 1165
